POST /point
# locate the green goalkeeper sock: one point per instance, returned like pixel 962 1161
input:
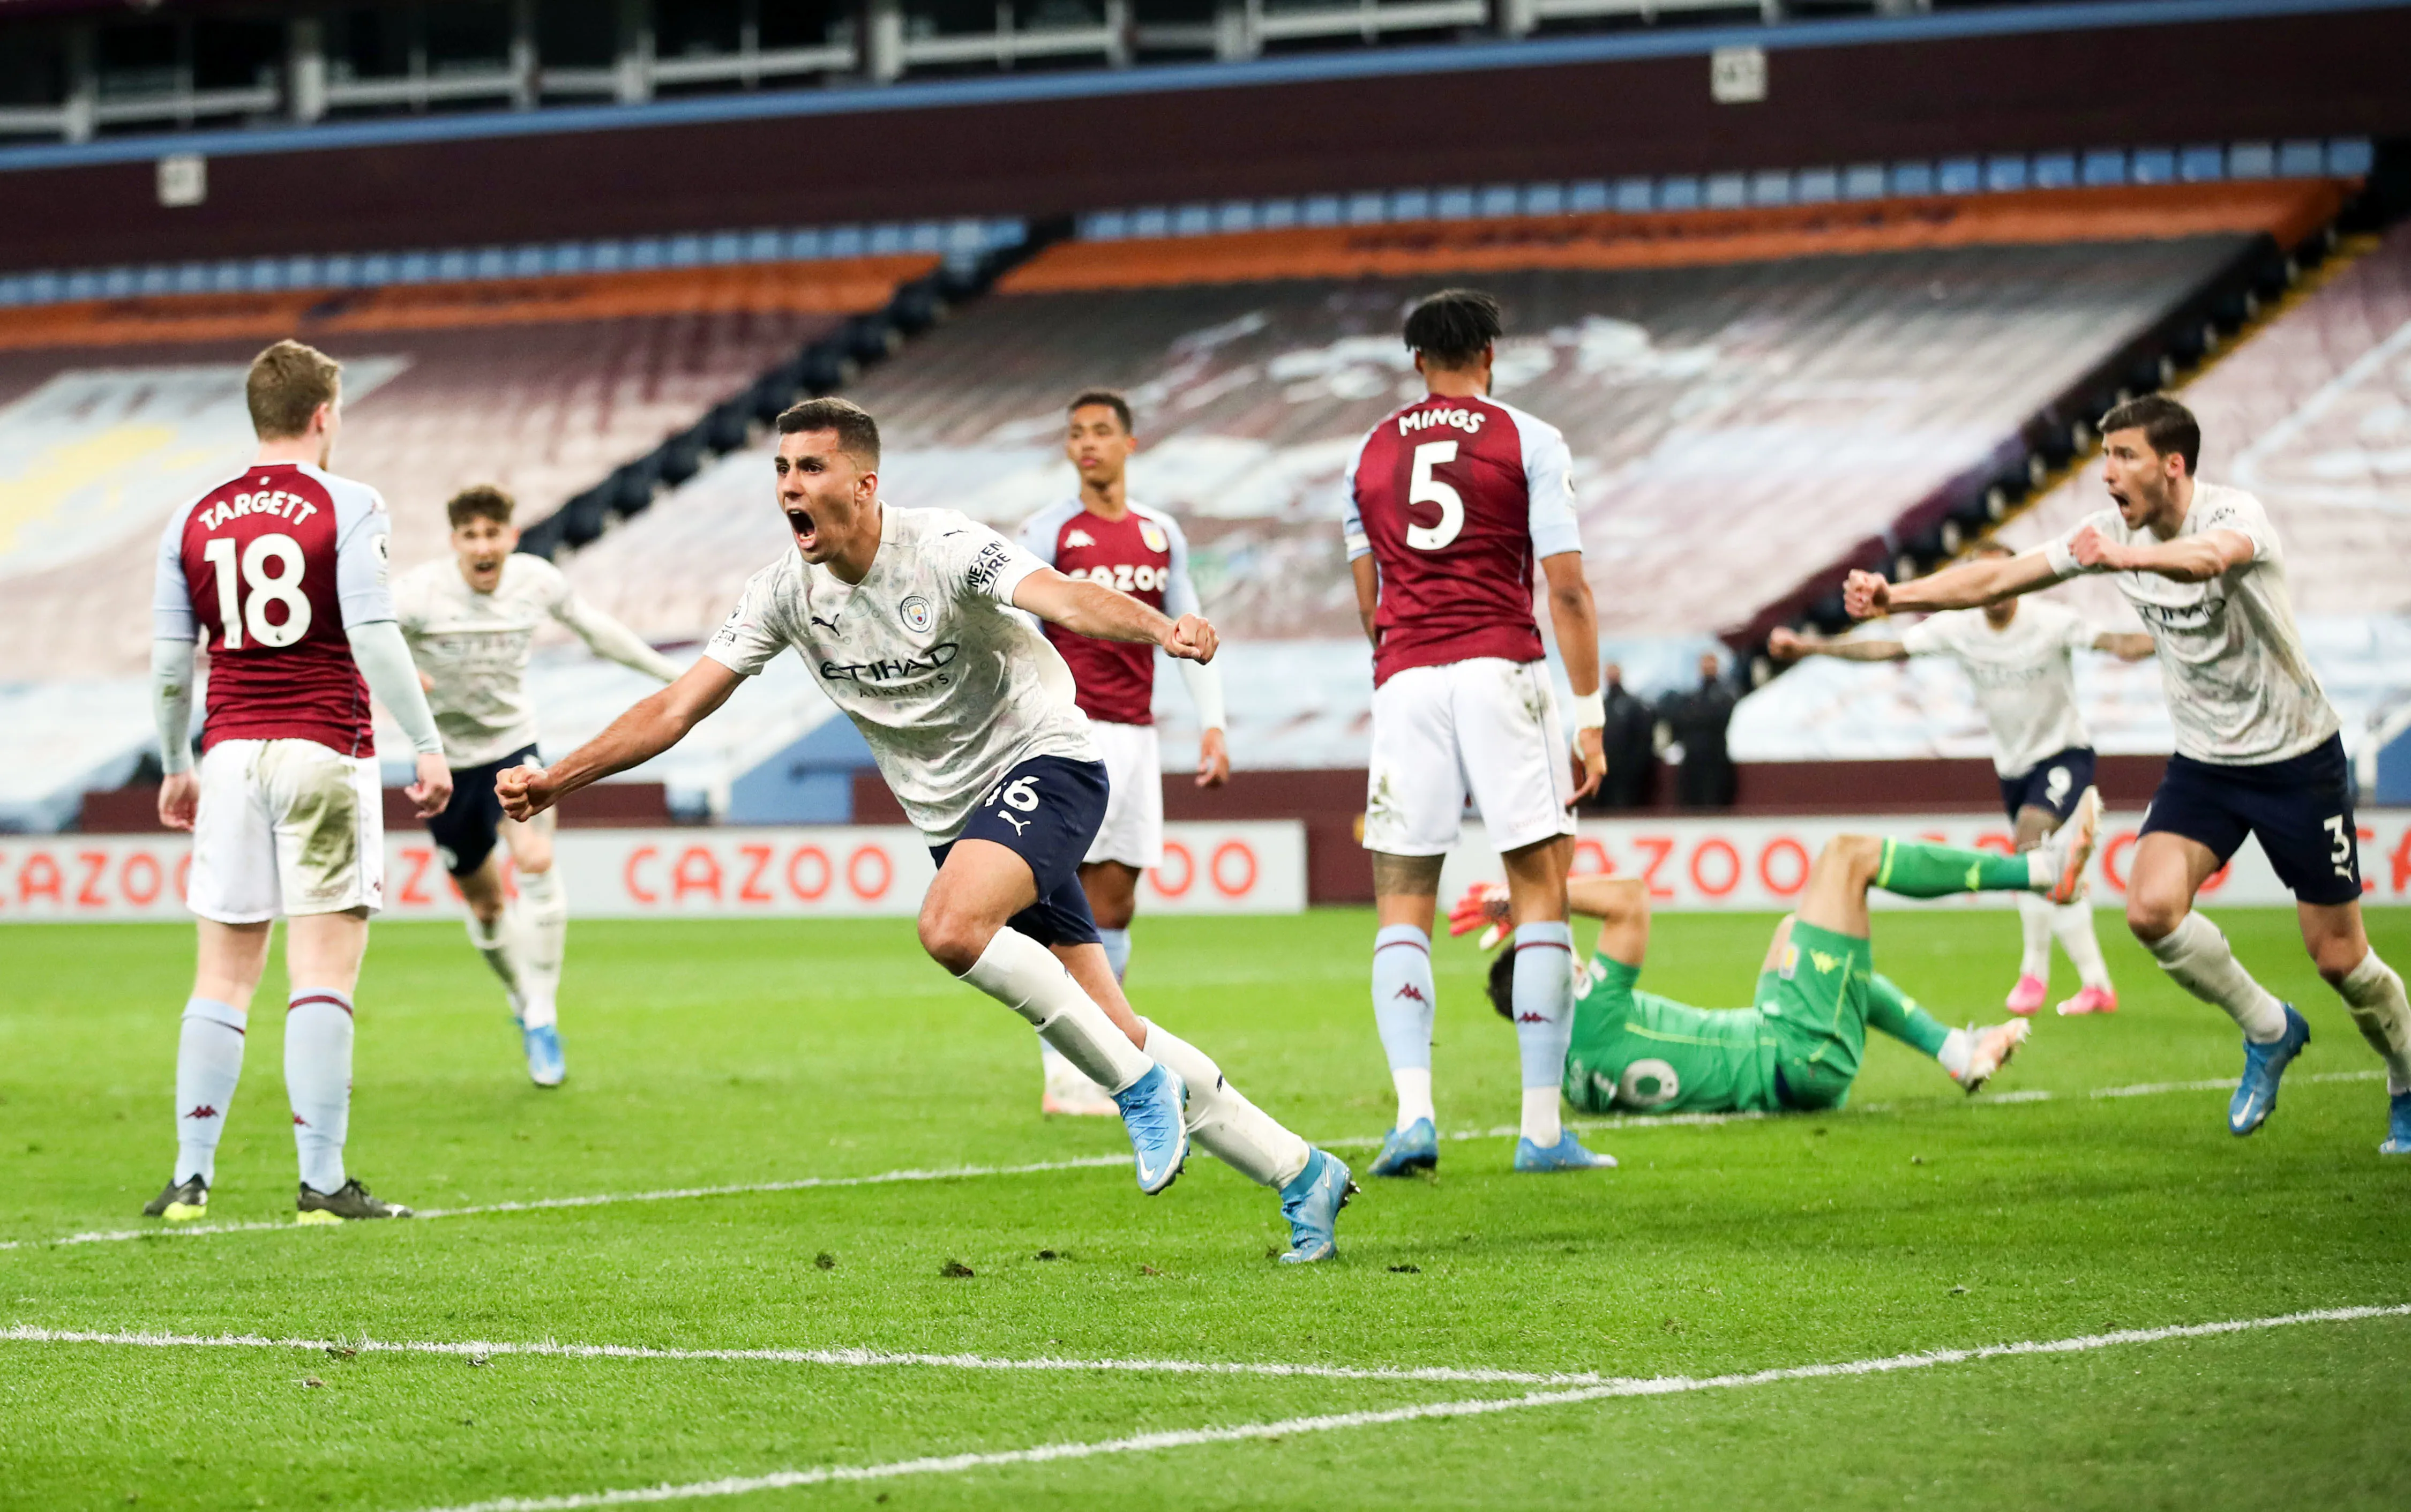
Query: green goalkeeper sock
pixel 1893 1012
pixel 1914 869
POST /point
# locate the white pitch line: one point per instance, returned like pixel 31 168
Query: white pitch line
pixel 948 1173
pixel 1472 1407
pixel 483 1350
pixel 945 1173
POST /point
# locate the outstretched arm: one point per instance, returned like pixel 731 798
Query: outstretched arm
pixel 1089 609
pixel 1791 646
pixel 611 640
pixel 651 726
pixel 2187 559
pixel 2127 645
pixel 1967 585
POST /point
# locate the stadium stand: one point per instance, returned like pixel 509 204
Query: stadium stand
pixel 112 410
pixel 2312 412
pixel 1751 395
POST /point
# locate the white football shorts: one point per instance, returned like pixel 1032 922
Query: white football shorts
pixel 286 827
pixel 1132 831
pixel 1485 727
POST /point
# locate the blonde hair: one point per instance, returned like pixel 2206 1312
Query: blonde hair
pixel 287 385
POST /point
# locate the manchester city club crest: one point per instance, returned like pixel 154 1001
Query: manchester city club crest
pixel 1153 536
pixel 914 611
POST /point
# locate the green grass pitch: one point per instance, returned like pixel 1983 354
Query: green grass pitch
pixel 714 1054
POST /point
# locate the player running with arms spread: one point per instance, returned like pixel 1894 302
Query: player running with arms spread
pixel 1100 536
pixel 2017 655
pixel 281 571
pixel 471 623
pixel 1450 500
pixel 1798 1047
pixel 904 616
pixel 2258 751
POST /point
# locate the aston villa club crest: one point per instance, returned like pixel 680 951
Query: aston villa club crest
pixel 1152 534
pixel 914 612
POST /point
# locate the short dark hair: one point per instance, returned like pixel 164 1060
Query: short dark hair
pixel 1452 327
pixel 2167 426
pixel 857 433
pixel 286 384
pixel 1501 985
pixel 1111 399
pixel 479 501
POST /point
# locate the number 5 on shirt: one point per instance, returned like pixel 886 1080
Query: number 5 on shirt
pixel 1422 487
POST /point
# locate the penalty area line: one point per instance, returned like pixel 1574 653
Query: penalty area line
pixel 949 1173
pixel 1335 1422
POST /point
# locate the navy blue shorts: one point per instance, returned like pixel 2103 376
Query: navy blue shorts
pixel 1046 811
pixel 2055 783
pixel 465 832
pixel 2299 810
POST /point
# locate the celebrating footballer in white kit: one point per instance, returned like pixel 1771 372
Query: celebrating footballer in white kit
pixel 2017 653
pixel 1100 536
pixel 906 617
pixel 1450 503
pixel 2258 748
pixel 279 571
pixel 471 623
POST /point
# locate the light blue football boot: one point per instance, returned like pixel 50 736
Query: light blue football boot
pixel 1152 1115
pixel 1311 1204
pixel 1567 1154
pixel 2397 1125
pixel 1406 1150
pixel 2255 1094
pixel 545 1065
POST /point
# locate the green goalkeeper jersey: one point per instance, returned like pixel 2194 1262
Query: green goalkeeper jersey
pixel 1641 1053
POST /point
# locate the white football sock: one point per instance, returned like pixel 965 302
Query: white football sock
pixel 1544 1000
pixel 1063 1078
pixel 1025 976
pixel 544 938
pixel 1958 1049
pixel 1403 1000
pixel 2034 928
pixel 1223 1122
pixel 1118 949
pixel 2072 923
pixel 499 944
pixel 2373 993
pixel 1543 1124
pixel 2197 955
pixel 318 1082
pixel 209 1062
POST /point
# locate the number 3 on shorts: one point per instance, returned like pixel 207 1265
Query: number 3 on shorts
pixel 2342 855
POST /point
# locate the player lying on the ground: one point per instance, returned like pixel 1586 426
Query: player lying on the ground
pixel 471 623
pixel 1099 535
pixel 2259 749
pixel 1798 1044
pixel 2019 658
pixel 904 616
pixel 281 571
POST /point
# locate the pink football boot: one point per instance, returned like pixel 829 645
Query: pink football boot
pixel 2026 998
pixel 2091 1000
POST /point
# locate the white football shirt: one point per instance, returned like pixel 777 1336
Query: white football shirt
pixel 2024 681
pixel 951 687
pixel 2239 687
pixel 474 648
